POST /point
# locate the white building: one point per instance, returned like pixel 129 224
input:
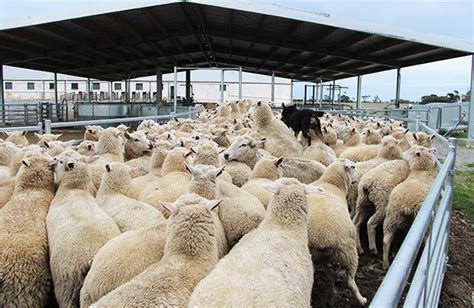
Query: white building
pixel 141 90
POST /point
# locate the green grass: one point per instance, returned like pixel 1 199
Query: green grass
pixel 469 165
pixel 458 134
pixel 464 193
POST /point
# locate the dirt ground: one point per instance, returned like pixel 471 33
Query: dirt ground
pixel 330 288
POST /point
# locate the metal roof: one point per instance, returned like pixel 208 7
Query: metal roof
pixel 118 40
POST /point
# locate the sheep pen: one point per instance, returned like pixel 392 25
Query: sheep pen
pixel 329 288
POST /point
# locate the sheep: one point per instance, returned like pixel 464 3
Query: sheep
pixel 138 184
pixel 128 213
pixel 371 136
pixel 24 271
pixel 331 232
pixel 264 173
pixel 422 139
pixel 17 137
pixel 203 183
pixel 121 259
pixel 401 134
pixel 238 171
pixel 244 150
pixel 240 212
pixel 77 229
pixel 304 170
pixel 320 152
pixel 87 148
pixel 271 265
pixel 190 254
pixel 375 187
pixel 388 150
pixel 350 138
pixel 42 138
pixel 7 149
pixel 279 139
pixel 136 145
pixel 173 182
pixel 207 153
pixel 93 132
pixel 407 197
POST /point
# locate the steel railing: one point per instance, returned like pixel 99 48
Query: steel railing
pixel 32 128
pixel 48 125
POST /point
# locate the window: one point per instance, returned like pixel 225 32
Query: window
pixel 51 85
pixel 172 92
pixel 30 85
pixel 117 86
pixel 8 85
pixel 74 86
pixel 95 86
pixel 139 86
pixel 225 87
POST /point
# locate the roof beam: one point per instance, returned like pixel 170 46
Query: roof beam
pixel 202 29
pixel 318 36
pixel 261 22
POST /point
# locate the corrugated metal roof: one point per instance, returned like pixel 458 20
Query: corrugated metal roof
pixel 118 40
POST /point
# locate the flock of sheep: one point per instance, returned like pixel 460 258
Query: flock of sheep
pixel 230 209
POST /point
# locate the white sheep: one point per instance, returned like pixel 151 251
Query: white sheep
pixel 17 137
pixel 190 254
pixel 407 197
pixel 77 229
pixel 112 197
pixel 330 230
pixel 24 272
pixel 280 141
pixel 271 265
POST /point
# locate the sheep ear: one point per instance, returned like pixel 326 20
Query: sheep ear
pixel 273 188
pixel 278 161
pixel 192 150
pixel 407 130
pixel 187 154
pixel 169 206
pixel 56 137
pixel 46 144
pixel 189 168
pixel 219 171
pixel 52 162
pixel 118 134
pixel 308 189
pixel 107 167
pixel 70 165
pixel 325 129
pixel 89 147
pixel 38 135
pixel 127 135
pixel 221 151
pixel 432 136
pixel 262 140
pixel 26 162
pixel 354 130
pixel 414 136
pixel 23 132
pixel 211 204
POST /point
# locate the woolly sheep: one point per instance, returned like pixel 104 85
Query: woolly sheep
pixel 87 148
pixel 25 274
pixel 401 134
pixel 371 136
pixel 320 152
pixel 271 265
pixel 243 150
pixel 77 229
pixel 330 229
pixel 279 138
pixel 136 145
pixel 422 139
pixel 388 150
pixel 128 213
pixel 93 132
pixel 304 170
pixel 17 137
pixel 264 173
pixel 7 149
pixel 190 254
pixel 407 197
pixel 42 138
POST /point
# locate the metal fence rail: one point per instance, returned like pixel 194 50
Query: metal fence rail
pixel 48 125
pixel 33 128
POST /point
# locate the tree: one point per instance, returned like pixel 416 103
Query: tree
pixel 345 99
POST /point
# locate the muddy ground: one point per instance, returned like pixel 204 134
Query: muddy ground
pixel 330 288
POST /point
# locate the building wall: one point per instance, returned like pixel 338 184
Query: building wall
pixel 204 91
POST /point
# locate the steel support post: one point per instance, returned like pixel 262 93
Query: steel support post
pixel 188 87
pixel 397 93
pixel 240 82
pixel 291 91
pixel 110 91
pixel 88 89
pixel 159 84
pixel 317 94
pixel 470 131
pixel 333 91
pixel 359 93
pixel 273 88
pixel 304 100
pixel 175 90
pixel 314 90
pixel 56 88
pixel 321 95
pixel 222 87
pixel 2 94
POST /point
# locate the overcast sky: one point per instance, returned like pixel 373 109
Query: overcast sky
pixel 449 17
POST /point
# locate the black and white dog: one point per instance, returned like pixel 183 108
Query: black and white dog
pixel 304 120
